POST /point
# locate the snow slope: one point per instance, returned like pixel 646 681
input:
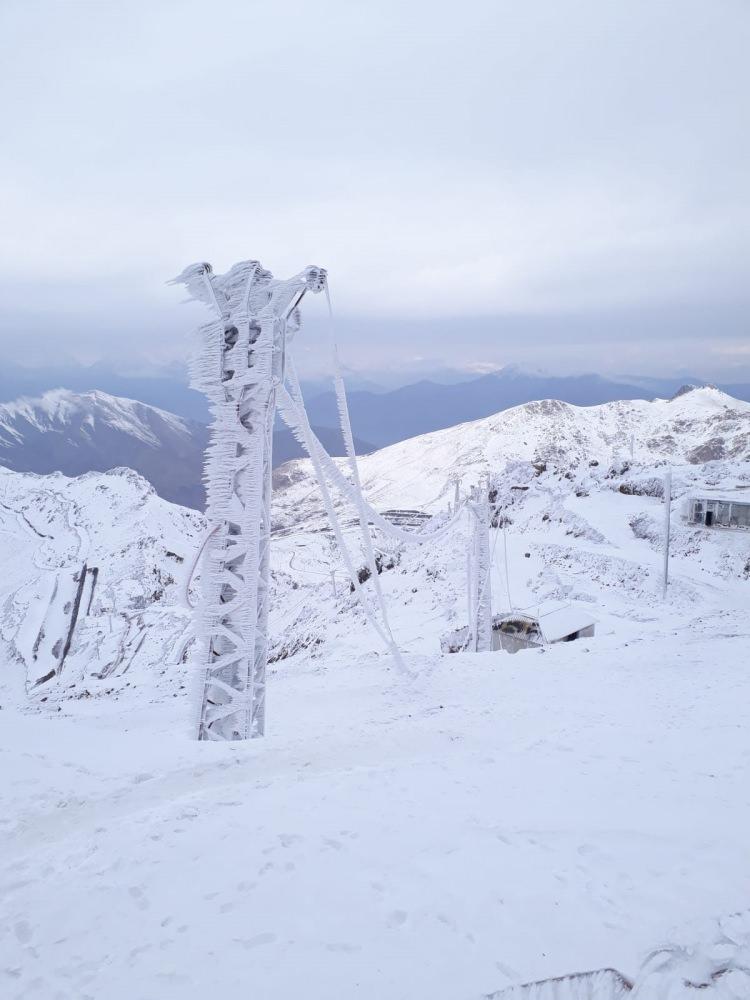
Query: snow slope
pixel 111 537
pixel 497 820
pixel 494 820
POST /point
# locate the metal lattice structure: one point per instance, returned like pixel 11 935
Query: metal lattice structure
pixel 240 365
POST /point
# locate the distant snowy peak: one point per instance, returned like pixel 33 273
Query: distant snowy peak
pixel 75 433
pixel 58 409
pixel 707 397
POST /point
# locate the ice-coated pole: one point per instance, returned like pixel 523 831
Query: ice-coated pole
pixel 667 515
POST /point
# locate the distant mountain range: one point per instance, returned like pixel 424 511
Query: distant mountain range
pixel 385 418
pixel 77 432
pixel 381 413
pixel 74 433
pixel 167 389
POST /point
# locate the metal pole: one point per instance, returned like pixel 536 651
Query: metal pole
pixel 667 514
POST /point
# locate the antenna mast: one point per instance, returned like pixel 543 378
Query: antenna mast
pixel 240 364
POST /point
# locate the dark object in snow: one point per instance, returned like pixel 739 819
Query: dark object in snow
pixel 364 574
pixel 516 630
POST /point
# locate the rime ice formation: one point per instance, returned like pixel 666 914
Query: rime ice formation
pixel 239 368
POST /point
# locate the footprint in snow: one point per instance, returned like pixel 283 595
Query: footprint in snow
pixel 397 918
pixel 138 898
pixel 23 931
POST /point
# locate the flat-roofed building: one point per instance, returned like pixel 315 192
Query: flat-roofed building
pixel 719 510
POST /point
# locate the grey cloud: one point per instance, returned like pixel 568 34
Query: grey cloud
pixel 542 166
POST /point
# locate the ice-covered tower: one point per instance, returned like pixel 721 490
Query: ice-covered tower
pixel 480 580
pixel 239 366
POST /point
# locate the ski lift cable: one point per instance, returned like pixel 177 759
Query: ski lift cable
pixel 362 518
pixel 301 429
pixel 346 488
pixel 336 528
pixel 507 577
pixel 188 578
pixel 346 431
pixel 387 527
pixel 293 412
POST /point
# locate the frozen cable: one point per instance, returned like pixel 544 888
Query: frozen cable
pixel 185 591
pixel 346 431
pixel 300 427
pixel 348 490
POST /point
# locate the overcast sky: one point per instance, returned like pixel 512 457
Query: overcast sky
pixel 557 182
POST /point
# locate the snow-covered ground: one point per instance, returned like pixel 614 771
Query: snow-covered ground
pixel 497 819
pixel 492 820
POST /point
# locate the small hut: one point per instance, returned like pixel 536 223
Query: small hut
pixel 729 509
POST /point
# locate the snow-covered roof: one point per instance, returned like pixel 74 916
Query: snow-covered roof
pixel 739 494
pixel 563 621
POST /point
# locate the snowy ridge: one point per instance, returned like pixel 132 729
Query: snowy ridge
pixel 699 426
